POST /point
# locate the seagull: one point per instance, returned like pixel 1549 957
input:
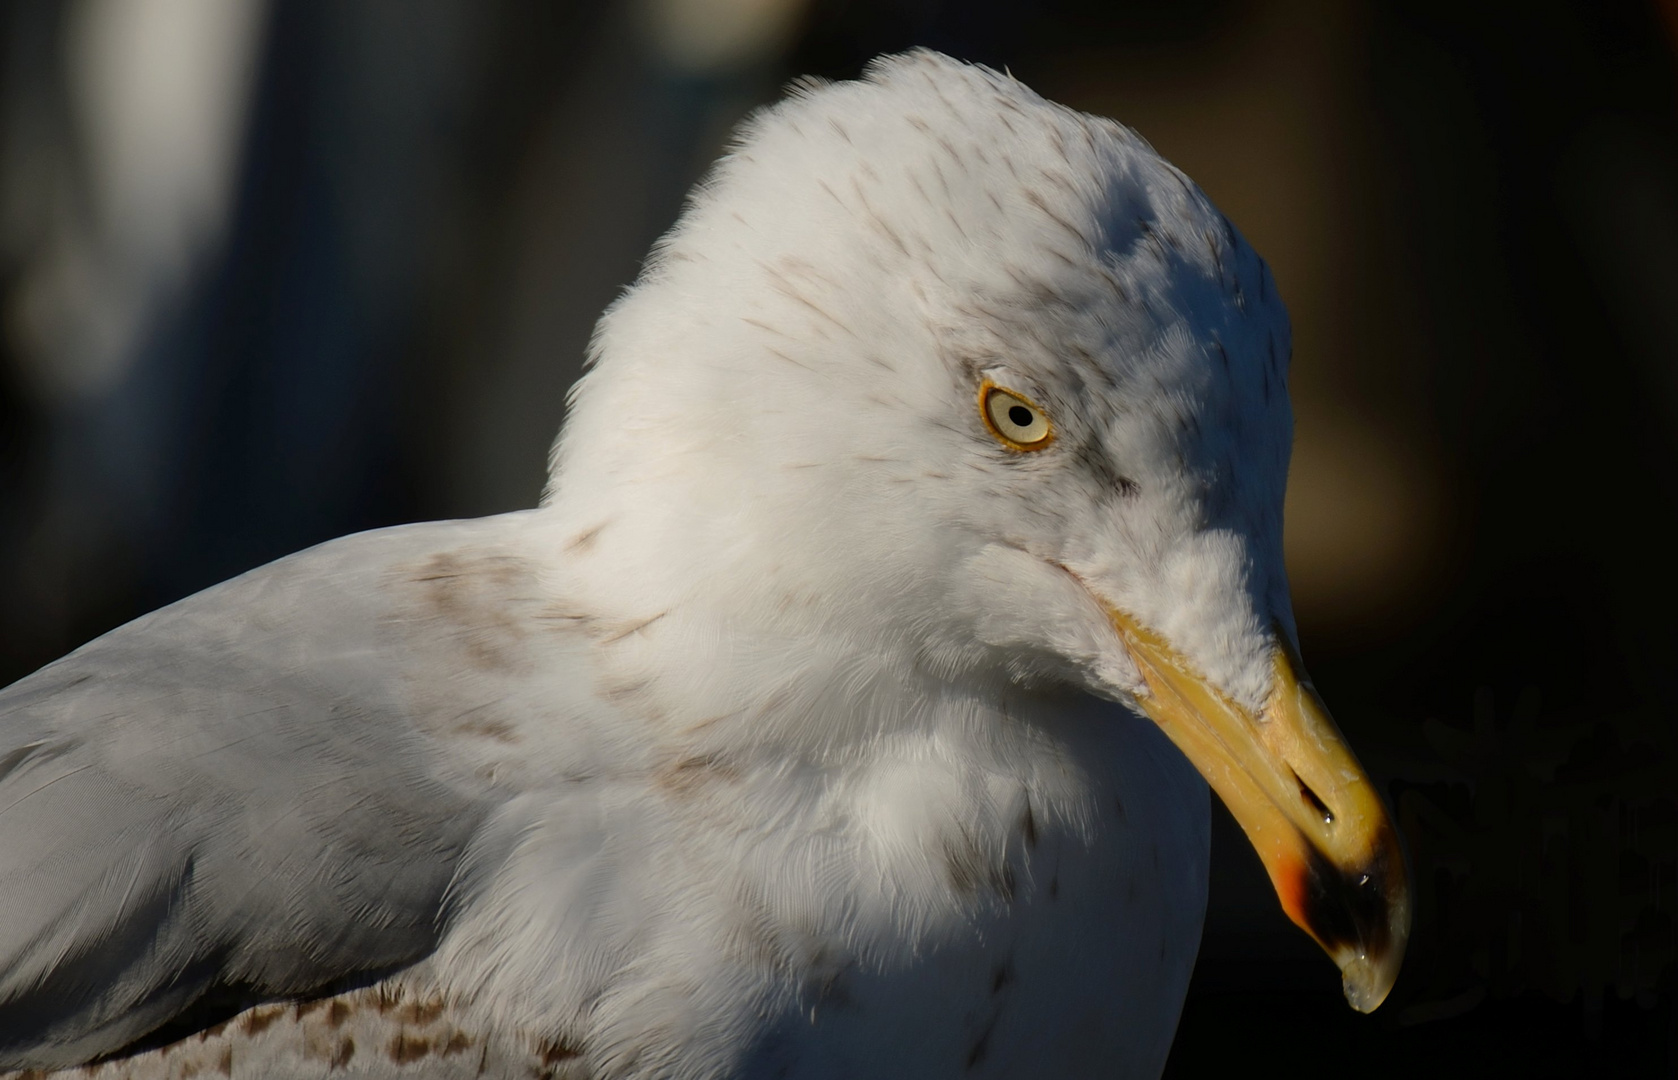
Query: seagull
pixel 911 563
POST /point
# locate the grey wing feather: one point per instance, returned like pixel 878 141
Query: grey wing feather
pixel 227 797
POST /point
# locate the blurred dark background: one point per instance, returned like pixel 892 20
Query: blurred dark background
pixel 276 270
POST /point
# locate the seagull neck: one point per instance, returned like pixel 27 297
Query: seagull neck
pixel 775 661
pixel 776 690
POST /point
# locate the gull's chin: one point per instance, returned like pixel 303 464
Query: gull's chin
pixel 1127 694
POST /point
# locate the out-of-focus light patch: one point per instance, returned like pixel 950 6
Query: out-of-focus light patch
pixel 159 91
pixel 1361 520
pixel 716 36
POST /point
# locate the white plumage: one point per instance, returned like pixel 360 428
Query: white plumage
pixel 790 736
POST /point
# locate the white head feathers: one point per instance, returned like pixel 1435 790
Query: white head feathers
pixel 780 425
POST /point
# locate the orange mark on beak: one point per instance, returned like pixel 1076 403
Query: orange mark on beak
pixel 1289 881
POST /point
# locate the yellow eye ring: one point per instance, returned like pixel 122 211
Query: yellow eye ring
pixel 1017 422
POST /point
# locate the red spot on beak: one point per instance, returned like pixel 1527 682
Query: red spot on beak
pixel 1290 889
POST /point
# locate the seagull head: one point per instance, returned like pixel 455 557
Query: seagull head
pixel 943 370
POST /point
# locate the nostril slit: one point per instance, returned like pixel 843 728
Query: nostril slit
pixel 1313 800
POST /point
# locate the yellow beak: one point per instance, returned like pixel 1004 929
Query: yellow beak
pixel 1316 821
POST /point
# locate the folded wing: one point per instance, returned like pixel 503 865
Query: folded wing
pixel 229 800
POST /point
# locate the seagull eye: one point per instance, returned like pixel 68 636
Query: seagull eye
pixel 1015 421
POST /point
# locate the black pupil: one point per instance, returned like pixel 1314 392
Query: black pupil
pixel 1020 415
